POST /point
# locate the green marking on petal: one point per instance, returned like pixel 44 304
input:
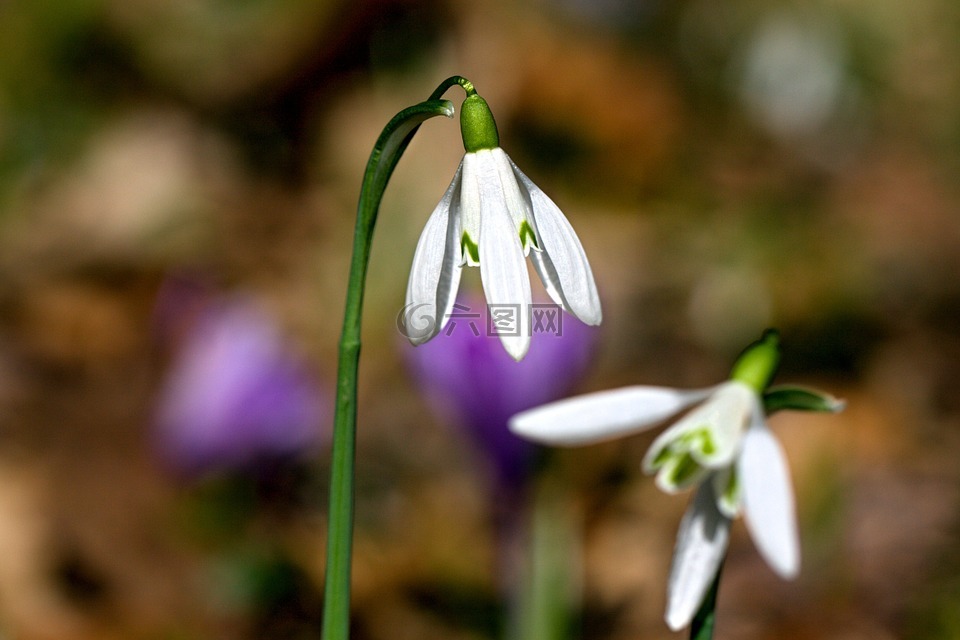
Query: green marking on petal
pixel 470 249
pixel 699 439
pixel 527 237
pixel 707 445
pixel 726 484
pixel 732 490
pixel 686 440
pixel 661 458
pixel 684 470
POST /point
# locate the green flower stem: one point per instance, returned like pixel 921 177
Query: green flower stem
pixel 451 81
pixel 383 159
pixel 550 580
pixel 702 626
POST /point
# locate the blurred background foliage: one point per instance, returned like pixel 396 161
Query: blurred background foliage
pixel 728 166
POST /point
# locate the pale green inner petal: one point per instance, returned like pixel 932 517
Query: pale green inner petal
pixel 679 463
pixel 732 489
pixel 660 459
pixel 731 408
pixel 679 471
pixel 727 488
pixel 683 470
pixel 698 441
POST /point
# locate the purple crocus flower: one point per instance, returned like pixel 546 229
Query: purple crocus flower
pixel 237 394
pixel 474 383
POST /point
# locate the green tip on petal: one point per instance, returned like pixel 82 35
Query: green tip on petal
pixel 477 126
pixel 470 249
pixel 731 491
pixel 527 237
pixel 679 471
pixel 758 363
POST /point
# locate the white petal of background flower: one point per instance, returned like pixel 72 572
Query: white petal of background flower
pixel 733 408
pixel 701 545
pixel 503 270
pixel 562 263
pixel 768 505
pixel 604 415
pixel 435 274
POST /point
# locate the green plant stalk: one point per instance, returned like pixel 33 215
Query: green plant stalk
pixel 551 580
pixel 383 159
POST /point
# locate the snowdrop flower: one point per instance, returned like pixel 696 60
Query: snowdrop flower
pixel 492 216
pixel 721 445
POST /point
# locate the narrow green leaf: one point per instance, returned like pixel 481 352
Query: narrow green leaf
pixel 800 399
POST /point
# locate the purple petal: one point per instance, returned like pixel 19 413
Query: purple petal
pixel 236 393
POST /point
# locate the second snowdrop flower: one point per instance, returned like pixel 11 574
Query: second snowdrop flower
pixel 722 446
pixel 493 216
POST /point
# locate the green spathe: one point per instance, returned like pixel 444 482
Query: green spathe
pixel 758 363
pixel 477 126
pixel 800 399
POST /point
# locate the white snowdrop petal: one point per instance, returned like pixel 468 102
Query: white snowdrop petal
pixel 503 270
pixel 602 416
pixel 768 504
pixel 562 263
pixel 701 544
pixel 435 272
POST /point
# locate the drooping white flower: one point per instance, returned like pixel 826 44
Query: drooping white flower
pixel 493 216
pixel 722 446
